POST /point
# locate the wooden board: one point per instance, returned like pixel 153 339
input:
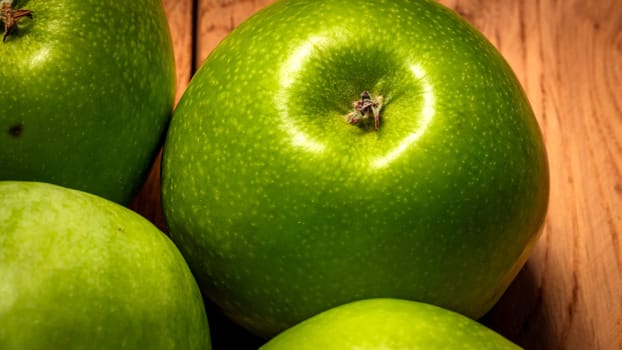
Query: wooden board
pixel 568 56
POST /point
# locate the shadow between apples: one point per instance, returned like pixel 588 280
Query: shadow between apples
pixel 225 334
pixel 519 315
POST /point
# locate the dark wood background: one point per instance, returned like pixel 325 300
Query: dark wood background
pixel 568 56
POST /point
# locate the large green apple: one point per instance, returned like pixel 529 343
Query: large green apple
pixel 335 150
pixel 87 92
pixel 388 324
pixel 81 272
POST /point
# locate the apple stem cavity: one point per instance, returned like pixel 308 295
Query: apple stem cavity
pixel 366 108
pixel 10 16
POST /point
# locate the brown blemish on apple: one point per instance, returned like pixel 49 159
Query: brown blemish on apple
pixel 16 130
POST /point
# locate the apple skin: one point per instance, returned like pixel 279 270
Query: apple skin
pixel 389 324
pixel 283 209
pixel 88 90
pixel 82 272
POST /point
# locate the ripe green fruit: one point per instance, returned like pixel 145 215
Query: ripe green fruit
pixel 87 92
pixel 389 324
pixel 81 272
pixel 286 196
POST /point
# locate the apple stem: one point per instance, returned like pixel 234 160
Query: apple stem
pixel 10 17
pixel 366 108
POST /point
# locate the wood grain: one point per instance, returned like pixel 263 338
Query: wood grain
pixel 568 56
pixel 216 18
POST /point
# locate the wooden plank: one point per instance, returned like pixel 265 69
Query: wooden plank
pixel 180 14
pixel 216 18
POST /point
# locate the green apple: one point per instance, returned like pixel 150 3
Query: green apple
pixel 335 150
pixel 389 324
pixel 81 272
pixel 88 88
